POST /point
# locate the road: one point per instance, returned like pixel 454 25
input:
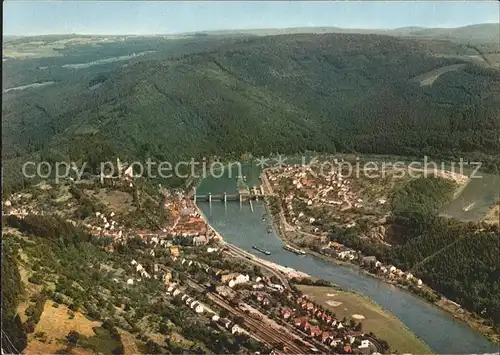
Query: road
pixel 235 251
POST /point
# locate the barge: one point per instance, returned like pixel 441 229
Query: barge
pixel 263 251
pixel 294 250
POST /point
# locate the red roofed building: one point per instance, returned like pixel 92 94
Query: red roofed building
pixel 298 321
pixel 285 313
pixel 314 331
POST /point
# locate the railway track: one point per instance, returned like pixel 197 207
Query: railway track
pixel 264 332
pixel 261 330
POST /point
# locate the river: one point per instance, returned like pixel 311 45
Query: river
pixel 241 227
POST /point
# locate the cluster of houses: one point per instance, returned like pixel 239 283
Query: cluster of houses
pixel 228 324
pixel 174 290
pixel 231 279
pixel 108 228
pixel 331 332
pixel 308 318
pixel 313 188
pixel 142 272
pixel 19 212
pixel 388 271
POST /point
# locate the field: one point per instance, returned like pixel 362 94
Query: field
pixel 117 201
pixel 382 324
pixel 493 216
pixel 56 325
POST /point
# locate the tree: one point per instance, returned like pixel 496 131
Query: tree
pixel 73 337
pixel 239 320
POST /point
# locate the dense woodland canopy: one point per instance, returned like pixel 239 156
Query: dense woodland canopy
pixel 290 93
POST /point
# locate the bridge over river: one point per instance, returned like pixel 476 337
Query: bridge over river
pixel 243 194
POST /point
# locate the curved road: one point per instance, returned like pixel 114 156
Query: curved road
pixel 235 251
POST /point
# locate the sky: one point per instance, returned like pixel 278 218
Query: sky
pixel 168 17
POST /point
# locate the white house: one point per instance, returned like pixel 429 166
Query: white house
pixel 236 329
pixel 139 268
pixel 176 292
pixel 197 306
pixel 350 224
pixel 242 278
pixel 277 287
pixel 364 344
pixel 335 342
pixel 130 282
pixel 134 262
pixel 392 268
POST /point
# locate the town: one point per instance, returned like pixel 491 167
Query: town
pixel 234 291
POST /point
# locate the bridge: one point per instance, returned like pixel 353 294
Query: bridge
pixel 242 195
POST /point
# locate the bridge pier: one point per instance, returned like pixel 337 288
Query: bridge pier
pixel 225 198
pixel 210 198
pixel 194 195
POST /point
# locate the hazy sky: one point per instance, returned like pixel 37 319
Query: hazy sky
pixel 144 17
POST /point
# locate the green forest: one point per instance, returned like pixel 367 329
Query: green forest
pixel 286 94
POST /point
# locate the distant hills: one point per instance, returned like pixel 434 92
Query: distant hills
pixel 483 33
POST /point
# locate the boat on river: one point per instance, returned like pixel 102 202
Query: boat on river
pixel 294 250
pixel 263 251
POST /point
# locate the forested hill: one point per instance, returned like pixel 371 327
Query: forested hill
pixel 289 93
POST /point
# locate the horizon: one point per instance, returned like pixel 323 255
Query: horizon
pixel 146 18
pixel 244 29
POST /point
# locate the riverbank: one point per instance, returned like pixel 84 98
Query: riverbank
pixel 458 313
pixel 287 271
